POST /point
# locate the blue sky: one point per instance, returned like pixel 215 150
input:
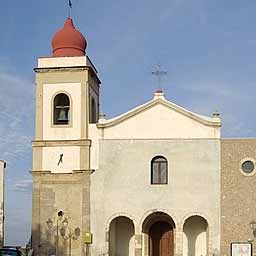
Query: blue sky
pixel 208 48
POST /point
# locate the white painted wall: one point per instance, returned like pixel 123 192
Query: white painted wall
pixel 121 155
pixel 60 132
pixel 51 156
pixel 53 62
pixel 121 184
pixel 158 122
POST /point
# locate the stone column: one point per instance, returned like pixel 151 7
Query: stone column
pixel 179 241
pixel 138 245
pixel 210 242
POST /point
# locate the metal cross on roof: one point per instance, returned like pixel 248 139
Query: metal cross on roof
pixel 159 73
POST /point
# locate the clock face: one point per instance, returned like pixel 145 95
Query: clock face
pixel 61 159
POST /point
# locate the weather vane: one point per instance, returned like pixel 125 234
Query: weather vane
pixel 159 73
pixel 69 8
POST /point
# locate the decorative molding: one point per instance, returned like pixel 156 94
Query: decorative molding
pixel 63 173
pixel 193 214
pixel 54 143
pixel 67 69
pixel 119 214
pixel 157 210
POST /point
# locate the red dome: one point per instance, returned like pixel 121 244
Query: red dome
pixel 68 41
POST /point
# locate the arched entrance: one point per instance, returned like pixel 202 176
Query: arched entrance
pixel 158 229
pixel 195 236
pixel 161 239
pixel 121 237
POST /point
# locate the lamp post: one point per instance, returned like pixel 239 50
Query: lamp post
pixel 253 228
pixel 68 234
pixel 56 227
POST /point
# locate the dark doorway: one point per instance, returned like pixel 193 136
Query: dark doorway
pixel 161 239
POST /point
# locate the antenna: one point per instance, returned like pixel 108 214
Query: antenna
pixel 69 8
pixel 159 73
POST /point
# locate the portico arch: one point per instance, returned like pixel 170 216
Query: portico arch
pixel 195 236
pixel 121 237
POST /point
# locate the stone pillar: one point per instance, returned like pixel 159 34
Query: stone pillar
pixel 210 241
pixel 179 241
pixel 138 245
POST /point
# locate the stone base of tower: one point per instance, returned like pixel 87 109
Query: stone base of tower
pixel 52 193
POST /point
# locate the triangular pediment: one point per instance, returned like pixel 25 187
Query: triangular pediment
pixel 161 118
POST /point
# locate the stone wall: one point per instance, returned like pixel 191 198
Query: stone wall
pixel 238 197
pixel 52 193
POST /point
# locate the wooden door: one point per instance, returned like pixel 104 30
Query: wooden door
pixel 161 239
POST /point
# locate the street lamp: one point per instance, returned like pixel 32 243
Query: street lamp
pixel 69 234
pixel 253 227
pixel 53 227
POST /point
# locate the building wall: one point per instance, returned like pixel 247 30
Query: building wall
pixel 73 130
pixel 2 166
pixel 238 196
pixel 121 186
pixel 52 193
pixel 61 79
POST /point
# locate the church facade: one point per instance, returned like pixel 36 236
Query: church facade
pixel 157 180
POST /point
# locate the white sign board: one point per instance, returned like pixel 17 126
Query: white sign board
pixel 241 249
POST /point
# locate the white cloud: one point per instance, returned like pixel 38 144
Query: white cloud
pixel 16 116
pixel 24 185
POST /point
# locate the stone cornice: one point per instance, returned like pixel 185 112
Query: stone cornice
pixel 76 172
pixel 54 143
pixel 69 69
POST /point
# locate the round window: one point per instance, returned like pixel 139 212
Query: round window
pixel 248 166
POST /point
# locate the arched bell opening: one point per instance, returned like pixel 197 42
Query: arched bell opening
pixel 61 107
pixel 158 235
pixel 195 236
pixel 121 237
pixel 93 112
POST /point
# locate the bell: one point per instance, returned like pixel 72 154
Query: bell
pixel 62 115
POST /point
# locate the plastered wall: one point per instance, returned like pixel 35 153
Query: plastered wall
pixel 122 186
pixel 71 132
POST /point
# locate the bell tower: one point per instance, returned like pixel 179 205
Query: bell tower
pixel 67 100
